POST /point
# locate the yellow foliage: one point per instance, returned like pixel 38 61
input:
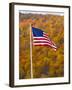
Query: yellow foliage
pixel 46 62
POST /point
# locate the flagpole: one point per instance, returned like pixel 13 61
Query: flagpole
pixel 31 51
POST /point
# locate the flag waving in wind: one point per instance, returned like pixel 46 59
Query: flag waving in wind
pixel 40 38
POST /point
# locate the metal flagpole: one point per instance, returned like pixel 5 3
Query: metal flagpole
pixel 31 51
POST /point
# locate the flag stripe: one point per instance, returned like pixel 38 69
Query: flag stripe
pixel 37 38
pixel 40 37
pixel 41 41
pixel 46 44
pixel 45 35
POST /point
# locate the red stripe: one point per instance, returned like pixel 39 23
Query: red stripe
pixel 43 39
pixel 42 42
pixel 45 35
pixel 43 45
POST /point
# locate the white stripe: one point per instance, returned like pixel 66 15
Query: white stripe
pixel 54 46
pixel 42 41
pixel 44 33
pixel 45 43
pixel 34 43
pixel 45 36
pixel 40 37
pixel 48 40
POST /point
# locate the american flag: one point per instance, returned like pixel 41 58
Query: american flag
pixel 40 38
